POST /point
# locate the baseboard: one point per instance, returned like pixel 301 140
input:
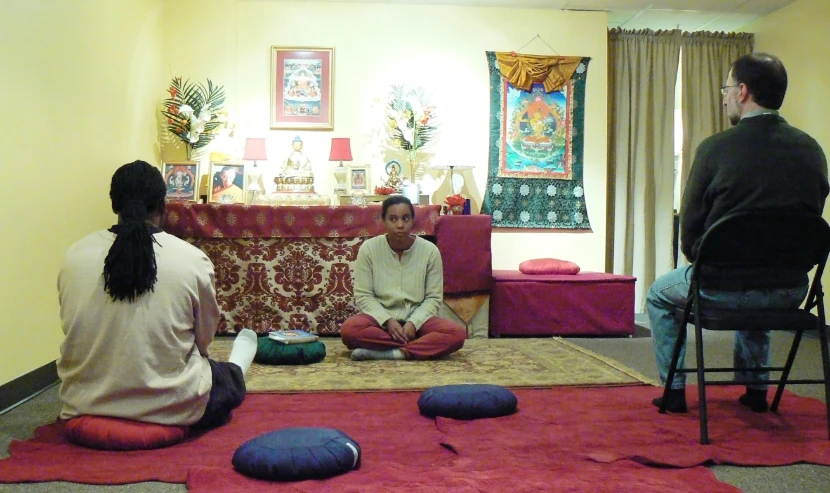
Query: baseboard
pixel 24 387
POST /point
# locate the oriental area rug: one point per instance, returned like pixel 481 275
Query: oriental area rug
pixel 528 363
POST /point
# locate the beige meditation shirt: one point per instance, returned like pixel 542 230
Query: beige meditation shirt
pixel 145 360
pixel 409 289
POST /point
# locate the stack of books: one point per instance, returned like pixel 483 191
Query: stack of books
pixel 293 336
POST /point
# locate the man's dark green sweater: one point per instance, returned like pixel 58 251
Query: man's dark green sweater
pixel 761 163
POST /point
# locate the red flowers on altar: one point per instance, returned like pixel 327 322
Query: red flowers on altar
pixel 384 190
pixel 455 200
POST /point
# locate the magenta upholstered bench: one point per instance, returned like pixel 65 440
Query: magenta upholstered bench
pixel 584 304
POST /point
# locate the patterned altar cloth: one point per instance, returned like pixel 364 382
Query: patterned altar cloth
pixel 283 267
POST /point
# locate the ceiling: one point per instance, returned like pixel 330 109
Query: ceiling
pixel 687 15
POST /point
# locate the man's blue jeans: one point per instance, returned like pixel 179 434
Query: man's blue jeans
pixel 670 290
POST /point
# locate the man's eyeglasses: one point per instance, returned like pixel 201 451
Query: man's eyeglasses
pixel 724 89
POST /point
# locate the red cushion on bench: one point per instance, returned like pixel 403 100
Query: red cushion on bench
pixel 548 266
pixel 106 433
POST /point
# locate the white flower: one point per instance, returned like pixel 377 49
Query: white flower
pixel 497 215
pixel 578 217
pixel 415 105
pixel 524 190
pixel 406 132
pixel 551 217
pixel 580 68
pixel 577 191
pixel 497 189
pixel 186 111
pixel 524 216
pixel 551 190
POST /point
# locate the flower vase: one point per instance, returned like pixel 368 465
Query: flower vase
pixel 416 169
pixel 455 210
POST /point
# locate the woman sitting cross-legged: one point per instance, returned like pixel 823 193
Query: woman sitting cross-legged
pixel 138 307
pixel 399 287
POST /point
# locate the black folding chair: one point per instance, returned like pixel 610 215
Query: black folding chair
pixel 767 246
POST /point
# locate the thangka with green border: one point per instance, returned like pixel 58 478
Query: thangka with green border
pixel 536 148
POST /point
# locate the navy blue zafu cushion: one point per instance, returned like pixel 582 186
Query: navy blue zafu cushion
pixel 295 454
pixel 468 401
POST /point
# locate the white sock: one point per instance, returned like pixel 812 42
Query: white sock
pixel 361 354
pixel 244 349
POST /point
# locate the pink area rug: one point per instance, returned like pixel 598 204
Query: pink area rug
pixel 561 439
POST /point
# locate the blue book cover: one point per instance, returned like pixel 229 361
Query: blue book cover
pixel 292 336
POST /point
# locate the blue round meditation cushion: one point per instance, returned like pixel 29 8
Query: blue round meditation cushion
pixel 106 433
pixel 467 401
pixel 271 352
pixel 295 454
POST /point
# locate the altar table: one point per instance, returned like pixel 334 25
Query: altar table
pixel 280 267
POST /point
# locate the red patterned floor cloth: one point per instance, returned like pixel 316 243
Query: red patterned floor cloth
pixel 561 439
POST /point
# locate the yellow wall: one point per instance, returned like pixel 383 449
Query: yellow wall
pixel 441 48
pixel 78 84
pixel 87 76
pixel 798 35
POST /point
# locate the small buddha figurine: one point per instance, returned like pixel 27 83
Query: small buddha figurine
pixel 394 180
pixel 297 164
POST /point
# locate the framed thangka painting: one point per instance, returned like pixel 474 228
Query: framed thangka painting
pixel 302 88
pixel 181 179
pixel 359 178
pixel 536 142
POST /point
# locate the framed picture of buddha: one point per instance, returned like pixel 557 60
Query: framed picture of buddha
pixel 181 179
pixel 359 178
pixel 301 88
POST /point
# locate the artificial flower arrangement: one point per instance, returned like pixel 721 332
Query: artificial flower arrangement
pixel 192 112
pixel 455 203
pixel 384 190
pixel 411 119
pixel 455 200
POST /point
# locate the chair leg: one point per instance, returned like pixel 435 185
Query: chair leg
pixel 779 391
pixel 678 346
pixel 701 384
pixel 825 360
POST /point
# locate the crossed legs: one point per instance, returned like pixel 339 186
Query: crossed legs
pixel 437 337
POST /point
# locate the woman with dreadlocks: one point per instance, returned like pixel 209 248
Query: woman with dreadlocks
pixel 139 310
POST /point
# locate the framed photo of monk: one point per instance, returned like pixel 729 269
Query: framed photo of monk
pixel 302 81
pixel 226 183
pixel 182 179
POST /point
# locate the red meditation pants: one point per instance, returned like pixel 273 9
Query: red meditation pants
pixel 437 337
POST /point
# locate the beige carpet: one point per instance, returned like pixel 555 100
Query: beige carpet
pixel 506 362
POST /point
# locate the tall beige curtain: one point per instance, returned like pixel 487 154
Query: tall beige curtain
pixel 642 73
pixel 706 60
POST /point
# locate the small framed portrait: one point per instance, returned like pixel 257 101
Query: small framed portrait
pixel 359 178
pixel 182 180
pixel 226 183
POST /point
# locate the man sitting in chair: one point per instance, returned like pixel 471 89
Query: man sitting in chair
pixel 761 163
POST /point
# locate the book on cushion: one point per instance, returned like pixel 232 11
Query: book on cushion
pixel 293 336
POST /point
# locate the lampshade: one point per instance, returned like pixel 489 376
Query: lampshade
pixel 255 149
pixel 341 149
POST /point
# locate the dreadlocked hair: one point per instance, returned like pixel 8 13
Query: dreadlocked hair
pixel 137 189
